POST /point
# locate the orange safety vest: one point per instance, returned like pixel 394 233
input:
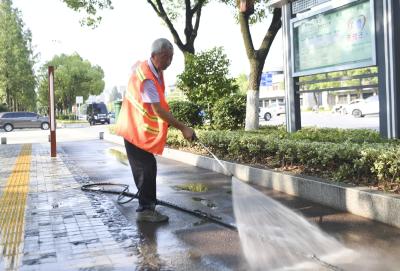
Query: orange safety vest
pixel 137 122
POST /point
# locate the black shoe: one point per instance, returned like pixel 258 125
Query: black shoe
pixel 151 216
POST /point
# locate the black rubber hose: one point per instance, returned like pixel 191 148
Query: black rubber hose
pixel 98 188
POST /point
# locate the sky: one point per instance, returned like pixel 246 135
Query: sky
pixel 126 33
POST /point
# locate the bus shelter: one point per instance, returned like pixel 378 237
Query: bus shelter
pixel 322 36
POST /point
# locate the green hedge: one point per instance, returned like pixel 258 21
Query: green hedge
pixel 352 156
pixel 66 117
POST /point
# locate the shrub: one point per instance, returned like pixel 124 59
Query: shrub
pixel 387 165
pixel 187 112
pixel 337 135
pixel 66 117
pixel 229 112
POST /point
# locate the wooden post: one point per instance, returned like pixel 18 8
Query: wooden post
pixel 52 111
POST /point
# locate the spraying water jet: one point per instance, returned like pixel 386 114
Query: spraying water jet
pixel 287 239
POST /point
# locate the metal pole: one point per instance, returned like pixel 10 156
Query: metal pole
pixel 53 143
pixel 293 117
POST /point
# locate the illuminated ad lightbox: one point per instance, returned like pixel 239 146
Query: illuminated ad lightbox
pixel 334 38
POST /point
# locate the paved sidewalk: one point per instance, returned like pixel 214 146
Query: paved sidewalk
pixel 64 228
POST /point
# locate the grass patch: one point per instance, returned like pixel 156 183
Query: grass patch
pixel 192 187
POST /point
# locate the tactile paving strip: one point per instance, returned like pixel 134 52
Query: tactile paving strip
pixel 12 209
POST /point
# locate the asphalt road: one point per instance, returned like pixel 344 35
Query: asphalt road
pixel 329 120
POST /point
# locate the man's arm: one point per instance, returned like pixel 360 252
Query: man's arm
pixel 187 132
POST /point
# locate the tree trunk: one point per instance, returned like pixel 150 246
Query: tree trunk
pixel 192 23
pixel 8 99
pixel 253 93
pixel 257 60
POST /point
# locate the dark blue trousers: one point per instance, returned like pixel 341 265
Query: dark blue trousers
pixel 144 170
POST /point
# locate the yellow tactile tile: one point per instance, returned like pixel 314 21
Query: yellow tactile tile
pixel 12 209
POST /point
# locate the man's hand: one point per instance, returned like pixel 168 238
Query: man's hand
pixel 188 133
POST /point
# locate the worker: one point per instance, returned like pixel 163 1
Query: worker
pixel 143 123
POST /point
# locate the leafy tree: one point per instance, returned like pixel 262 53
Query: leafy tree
pixel 73 77
pixel 17 79
pixel 115 95
pixel 205 79
pixel 255 11
pixel 168 11
pixel 90 7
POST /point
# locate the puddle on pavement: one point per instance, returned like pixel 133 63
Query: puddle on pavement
pixel 192 187
pixel 119 155
pixel 205 202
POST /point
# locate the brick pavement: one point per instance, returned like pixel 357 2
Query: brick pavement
pixel 64 229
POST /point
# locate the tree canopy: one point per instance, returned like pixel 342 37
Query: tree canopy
pixel 17 78
pixel 90 7
pixel 73 77
pixel 205 79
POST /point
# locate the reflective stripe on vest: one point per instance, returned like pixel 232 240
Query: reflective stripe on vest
pixel 140 74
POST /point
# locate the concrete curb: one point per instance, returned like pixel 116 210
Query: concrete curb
pixel 360 201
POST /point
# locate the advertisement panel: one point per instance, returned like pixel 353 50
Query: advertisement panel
pixel 335 39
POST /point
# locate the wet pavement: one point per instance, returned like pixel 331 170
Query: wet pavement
pixel 185 242
pixel 65 228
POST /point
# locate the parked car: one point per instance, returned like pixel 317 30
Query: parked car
pixel 275 109
pixel 97 113
pixel 346 108
pixel 361 107
pixel 17 120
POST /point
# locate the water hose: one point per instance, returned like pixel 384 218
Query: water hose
pixel 216 158
pixel 124 193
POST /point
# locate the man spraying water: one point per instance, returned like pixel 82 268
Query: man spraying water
pixel 143 123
